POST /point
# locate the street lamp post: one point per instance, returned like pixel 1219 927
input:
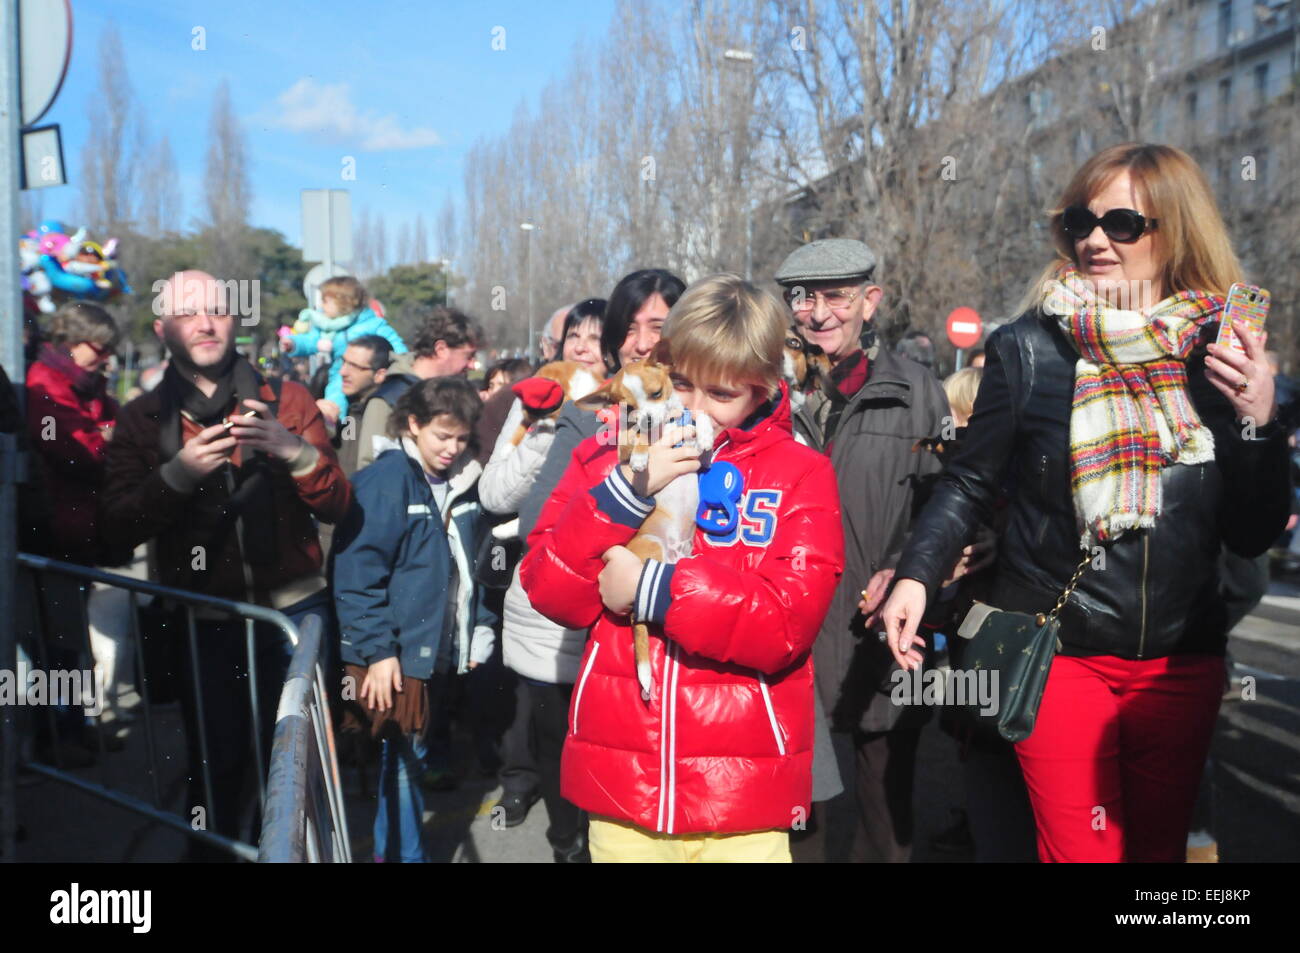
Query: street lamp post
pixel 529 228
pixel 446 281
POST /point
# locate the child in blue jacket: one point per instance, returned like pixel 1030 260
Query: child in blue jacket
pixel 409 611
pixel 343 317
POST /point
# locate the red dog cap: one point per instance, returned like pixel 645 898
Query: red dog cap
pixel 539 395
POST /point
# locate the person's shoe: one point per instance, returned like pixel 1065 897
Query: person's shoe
pixel 955 839
pixel 576 852
pixel 433 780
pixel 516 807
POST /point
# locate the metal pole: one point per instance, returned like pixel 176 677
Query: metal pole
pixel 528 253
pixel 11 351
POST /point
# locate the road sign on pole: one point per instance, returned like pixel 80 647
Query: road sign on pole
pixel 964 327
pixel 45 48
pixel 326 226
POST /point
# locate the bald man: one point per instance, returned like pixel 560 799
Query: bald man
pixel 226 472
pixel 550 343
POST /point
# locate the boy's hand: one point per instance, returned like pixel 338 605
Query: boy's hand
pixel 666 462
pixel 382 679
pixel 619 578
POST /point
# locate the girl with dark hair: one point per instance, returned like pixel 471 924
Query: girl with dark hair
pixel 409 611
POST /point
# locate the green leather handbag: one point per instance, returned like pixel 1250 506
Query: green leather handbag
pixel 1016 649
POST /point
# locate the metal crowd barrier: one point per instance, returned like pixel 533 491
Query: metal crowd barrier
pixel 303 817
pixel 324 783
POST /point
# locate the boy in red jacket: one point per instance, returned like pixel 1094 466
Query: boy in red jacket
pixel 717 764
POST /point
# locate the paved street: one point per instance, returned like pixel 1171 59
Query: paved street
pixel 1255 780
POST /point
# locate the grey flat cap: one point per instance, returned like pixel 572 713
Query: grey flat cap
pixel 827 259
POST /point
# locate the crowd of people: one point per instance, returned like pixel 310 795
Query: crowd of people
pixel 474 561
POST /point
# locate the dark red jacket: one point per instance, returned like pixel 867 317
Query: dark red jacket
pixel 727 746
pixel 138 504
pixel 64 426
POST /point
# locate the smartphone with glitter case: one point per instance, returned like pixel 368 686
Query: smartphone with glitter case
pixel 1247 304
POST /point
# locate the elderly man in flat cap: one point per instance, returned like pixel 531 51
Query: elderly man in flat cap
pixel 870 417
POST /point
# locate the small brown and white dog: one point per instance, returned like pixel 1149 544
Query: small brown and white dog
pixel 805 366
pixel 541 403
pixel 644 395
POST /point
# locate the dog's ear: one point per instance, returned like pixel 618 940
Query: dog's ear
pixel 601 397
pixel 662 354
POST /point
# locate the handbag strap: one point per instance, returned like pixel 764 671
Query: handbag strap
pixel 1069 589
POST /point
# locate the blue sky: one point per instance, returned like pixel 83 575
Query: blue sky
pixel 404 87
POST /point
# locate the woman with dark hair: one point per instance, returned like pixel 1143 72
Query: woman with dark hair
pixel 634 319
pixel 543 655
pixel 1134 453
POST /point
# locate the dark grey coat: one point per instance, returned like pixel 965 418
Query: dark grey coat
pixel 880 467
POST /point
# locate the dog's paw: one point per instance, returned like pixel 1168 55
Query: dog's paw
pixel 638 461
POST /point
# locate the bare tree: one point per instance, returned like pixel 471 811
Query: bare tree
pixel 160 211
pixel 379 245
pixel 109 167
pixel 420 241
pixel 447 229
pixel 226 190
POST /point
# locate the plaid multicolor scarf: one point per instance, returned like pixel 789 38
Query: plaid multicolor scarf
pixel 1132 413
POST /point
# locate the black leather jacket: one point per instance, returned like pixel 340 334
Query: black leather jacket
pixel 1151 593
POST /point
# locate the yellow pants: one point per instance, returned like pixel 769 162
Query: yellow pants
pixel 616 842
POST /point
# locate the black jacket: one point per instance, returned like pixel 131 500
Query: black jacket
pixel 1151 593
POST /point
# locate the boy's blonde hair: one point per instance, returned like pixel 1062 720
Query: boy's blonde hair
pixel 725 329
pixel 961 389
pixel 349 292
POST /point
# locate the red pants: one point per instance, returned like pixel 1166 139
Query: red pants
pixel 1116 755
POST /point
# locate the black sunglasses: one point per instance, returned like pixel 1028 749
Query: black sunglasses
pixel 1120 224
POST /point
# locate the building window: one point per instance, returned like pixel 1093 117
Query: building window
pixel 1225 22
pixel 1191 109
pixel 1225 103
pixel 1261 84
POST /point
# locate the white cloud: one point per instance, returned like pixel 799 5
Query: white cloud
pixel 327 110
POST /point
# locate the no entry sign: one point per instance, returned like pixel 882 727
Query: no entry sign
pixel 964 327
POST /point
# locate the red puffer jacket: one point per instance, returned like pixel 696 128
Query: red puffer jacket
pixel 725 742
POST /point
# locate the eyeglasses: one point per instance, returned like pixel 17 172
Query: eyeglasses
pixel 1120 224
pixel 836 300
pixel 359 367
pixel 101 352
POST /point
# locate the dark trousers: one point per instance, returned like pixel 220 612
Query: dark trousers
pixel 518 774
pixel 997 805
pixel 884 768
pixel 549 705
pixel 871 822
